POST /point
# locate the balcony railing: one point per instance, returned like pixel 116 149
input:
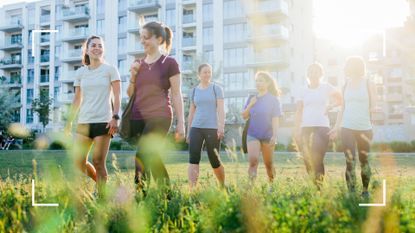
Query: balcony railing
pixel 16 79
pixel 189 41
pixel 11 61
pixel 143 5
pixel 44 58
pixel 44 18
pixel 44 38
pixel 44 78
pixel 77 11
pixel 189 18
pixel 11 25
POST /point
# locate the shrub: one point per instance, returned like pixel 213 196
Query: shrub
pixel 56 145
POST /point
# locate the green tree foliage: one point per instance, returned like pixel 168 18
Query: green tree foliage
pixel 9 103
pixel 42 106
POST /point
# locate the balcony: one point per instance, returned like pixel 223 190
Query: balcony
pixel 12 26
pixel 141 6
pixel 269 36
pixel 187 67
pixel 188 2
pixel 44 79
pixel 77 14
pixel 76 35
pixel 277 60
pixel 44 58
pixel 73 55
pixel 12 45
pixel 189 20
pixel 66 98
pixel 395 97
pixel 138 49
pixel 45 38
pixel 189 43
pixel 271 10
pixel 11 63
pixel 12 81
pixel 44 19
pixel 68 76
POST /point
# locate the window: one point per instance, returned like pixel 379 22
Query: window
pixel 207 12
pixel 29 116
pixel 30 37
pixel 207 35
pixel 122 24
pixel 188 16
pixel 122 45
pixel 171 17
pixel 100 27
pixel 233 9
pixel 122 67
pixel 237 81
pixel 235 32
pixel 122 5
pixel 100 6
pixel 30 76
pixel 57 73
pixel 208 56
pixel 29 96
pixel 235 56
pixel 58 51
pixel 59 32
pixel 55 93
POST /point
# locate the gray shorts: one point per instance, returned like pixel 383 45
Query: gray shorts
pixel 251 138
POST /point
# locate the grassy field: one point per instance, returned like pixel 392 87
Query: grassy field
pixel 290 204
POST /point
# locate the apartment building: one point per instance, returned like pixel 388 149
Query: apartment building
pixel 238 37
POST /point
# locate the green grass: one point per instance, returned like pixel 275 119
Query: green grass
pixel 290 204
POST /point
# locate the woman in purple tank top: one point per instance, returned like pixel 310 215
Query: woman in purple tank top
pixel 152 81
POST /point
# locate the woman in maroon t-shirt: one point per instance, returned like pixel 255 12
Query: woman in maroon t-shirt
pixel 151 79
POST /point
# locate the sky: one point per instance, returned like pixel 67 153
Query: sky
pixel 350 22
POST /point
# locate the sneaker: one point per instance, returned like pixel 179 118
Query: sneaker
pixel 365 195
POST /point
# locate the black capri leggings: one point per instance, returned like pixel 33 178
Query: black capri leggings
pixel 210 137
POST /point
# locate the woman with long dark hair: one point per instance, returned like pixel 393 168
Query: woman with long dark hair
pixel 153 80
pixel 98 100
pixel 263 111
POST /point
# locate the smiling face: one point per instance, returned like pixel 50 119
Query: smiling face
pixel 149 41
pixel 314 73
pixel 205 74
pixel 261 84
pixel 95 49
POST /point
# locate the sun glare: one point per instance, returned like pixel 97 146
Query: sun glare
pixel 348 23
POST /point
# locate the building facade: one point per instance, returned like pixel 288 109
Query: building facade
pixel 238 37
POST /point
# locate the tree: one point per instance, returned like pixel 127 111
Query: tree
pixel 43 106
pixel 9 103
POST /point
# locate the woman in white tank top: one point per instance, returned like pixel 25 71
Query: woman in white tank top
pixel 354 122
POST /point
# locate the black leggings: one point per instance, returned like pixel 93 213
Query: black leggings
pixel 361 139
pixel 196 138
pixel 148 134
pixel 315 141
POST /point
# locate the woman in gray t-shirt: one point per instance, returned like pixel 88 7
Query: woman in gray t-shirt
pixel 206 123
pixel 96 103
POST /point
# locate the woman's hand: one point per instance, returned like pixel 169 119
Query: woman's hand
pixel 180 132
pixel 333 133
pixel 134 68
pixel 113 125
pixel 221 133
pixel 252 101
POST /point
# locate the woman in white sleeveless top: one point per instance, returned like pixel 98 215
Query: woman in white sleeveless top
pixel 354 121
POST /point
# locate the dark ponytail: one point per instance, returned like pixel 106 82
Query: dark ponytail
pixel 159 30
pixel 169 39
pixel 85 57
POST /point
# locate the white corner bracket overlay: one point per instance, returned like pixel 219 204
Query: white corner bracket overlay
pixel 377 204
pixel 40 204
pixel 33 38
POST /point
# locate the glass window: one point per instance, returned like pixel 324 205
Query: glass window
pixel 100 6
pixel 207 12
pixel 207 35
pixel 29 116
pixel 100 27
pixel 122 45
pixel 29 96
pixel 171 17
pixel 122 24
pixel 122 67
